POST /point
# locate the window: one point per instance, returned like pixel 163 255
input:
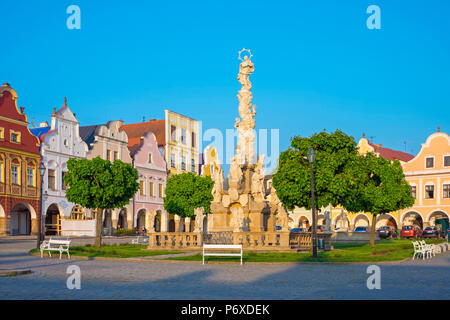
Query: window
pixel 183 136
pixel 52 179
pixel 446 161
pixel 152 189
pixel 172 160
pixel 161 190
pixel 15 137
pixel 116 155
pixel 108 154
pixel 173 133
pixel 30 177
pixel 15 174
pixel 429 162
pixel 183 163
pixel 429 192
pixel 193 165
pixel 150 159
pixel 414 192
pixel 446 190
pixel 64 186
pixel 2 133
pixel 193 140
pixel 141 188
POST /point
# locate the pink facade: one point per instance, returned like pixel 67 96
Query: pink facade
pixel 151 166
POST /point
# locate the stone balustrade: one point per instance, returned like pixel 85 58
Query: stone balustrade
pixel 251 241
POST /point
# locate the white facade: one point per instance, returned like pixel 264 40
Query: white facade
pixel 61 143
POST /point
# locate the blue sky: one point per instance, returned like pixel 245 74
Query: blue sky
pixel 317 65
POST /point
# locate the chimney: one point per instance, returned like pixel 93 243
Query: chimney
pixel 21 109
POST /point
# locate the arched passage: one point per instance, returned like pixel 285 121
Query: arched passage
pixel 140 220
pixel 122 222
pixel 107 222
pixel 361 220
pixel 412 218
pixel 52 221
pixel 20 223
pixel 342 222
pixel 436 215
pixel 303 222
pixel 386 220
pixel 171 223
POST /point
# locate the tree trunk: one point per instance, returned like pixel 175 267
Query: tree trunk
pixel 99 225
pixel 372 231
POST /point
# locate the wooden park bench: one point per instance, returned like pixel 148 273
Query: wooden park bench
pixel 222 246
pixel 55 245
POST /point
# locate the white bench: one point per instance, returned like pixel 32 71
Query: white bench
pixel 55 245
pixel 140 240
pixel 222 246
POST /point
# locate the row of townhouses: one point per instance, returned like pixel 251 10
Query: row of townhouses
pixel 156 148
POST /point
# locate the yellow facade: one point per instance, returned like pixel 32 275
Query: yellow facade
pixel 182 143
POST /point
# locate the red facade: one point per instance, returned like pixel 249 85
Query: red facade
pixel 19 163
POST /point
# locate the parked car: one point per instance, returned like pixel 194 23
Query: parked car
pixel 387 232
pixel 319 229
pixel 430 232
pixel 298 230
pixel 342 229
pixel 361 229
pixel 411 232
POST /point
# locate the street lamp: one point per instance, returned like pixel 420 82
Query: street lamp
pixel 40 235
pixel 311 155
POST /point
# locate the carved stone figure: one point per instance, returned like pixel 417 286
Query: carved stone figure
pixel 237 219
pixel 235 175
pixel 217 190
pixel 257 187
pixel 327 221
pixel 151 221
pixel 198 227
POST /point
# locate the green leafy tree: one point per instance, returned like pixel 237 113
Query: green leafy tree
pixel 100 184
pixel 381 188
pixel 186 192
pixel 332 182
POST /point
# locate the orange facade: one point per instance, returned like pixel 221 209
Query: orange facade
pixel 428 173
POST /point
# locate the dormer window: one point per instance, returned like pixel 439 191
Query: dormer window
pixel 15 137
pixel 429 162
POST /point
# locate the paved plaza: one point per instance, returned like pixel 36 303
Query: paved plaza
pixel 429 279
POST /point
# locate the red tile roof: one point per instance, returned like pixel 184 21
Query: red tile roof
pixel 135 131
pixel 391 154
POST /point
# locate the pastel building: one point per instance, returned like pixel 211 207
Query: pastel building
pixel 148 202
pixel 428 173
pixel 60 142
pixel 19 162
pixel 110 143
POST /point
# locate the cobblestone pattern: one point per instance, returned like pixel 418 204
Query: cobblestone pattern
pixel 429 279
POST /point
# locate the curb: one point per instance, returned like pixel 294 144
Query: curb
pixel 13 273
pixel 145 259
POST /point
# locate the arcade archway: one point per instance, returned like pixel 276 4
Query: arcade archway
pixel 53 221
pixel 20 223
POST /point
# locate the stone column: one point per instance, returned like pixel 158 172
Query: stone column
pixel 164 221
pixel 187 224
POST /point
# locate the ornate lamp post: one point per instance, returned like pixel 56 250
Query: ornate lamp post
pixel 40 235
pixel 311 155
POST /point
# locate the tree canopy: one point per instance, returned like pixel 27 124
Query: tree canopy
pixel 186 192
pixel 100 184
pixel 381 188
pixel 332 180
